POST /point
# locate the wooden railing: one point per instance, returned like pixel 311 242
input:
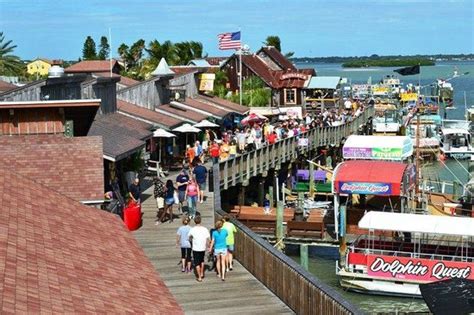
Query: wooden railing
pixel 241 168
pixel 296 287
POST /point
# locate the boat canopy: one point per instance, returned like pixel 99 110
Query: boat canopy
pixel 373 178
pixel 450 131
pixel 418 223
pixel 396 148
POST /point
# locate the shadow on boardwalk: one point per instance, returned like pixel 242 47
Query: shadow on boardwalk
pixel 241 293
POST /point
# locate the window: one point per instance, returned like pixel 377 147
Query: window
pixel 290 96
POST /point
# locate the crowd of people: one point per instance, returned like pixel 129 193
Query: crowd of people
pixel 258 134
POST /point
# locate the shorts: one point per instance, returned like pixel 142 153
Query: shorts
pixel 169 201
pixel 198 257
pixel 160 202
pixel 230 248
pixel 181 194
pixel 186 253
pixel 220 251
pixel 202 186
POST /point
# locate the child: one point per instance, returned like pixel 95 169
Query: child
pixel 266 204
pixel 183 241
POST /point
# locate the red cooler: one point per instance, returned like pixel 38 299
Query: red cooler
pixel 132 216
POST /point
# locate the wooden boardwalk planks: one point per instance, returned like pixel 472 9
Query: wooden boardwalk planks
pixel 241 293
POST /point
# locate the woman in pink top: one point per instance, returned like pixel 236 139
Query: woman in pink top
pixel 192 191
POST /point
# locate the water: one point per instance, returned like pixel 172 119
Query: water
pixel 323 266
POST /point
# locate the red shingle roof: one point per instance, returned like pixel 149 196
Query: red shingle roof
pixel 91 66
pixel 73 166
pixel 278 58
pixel 231 106
pixel 182 112
pixel 58 256
pixel 147 114
pixel 5 86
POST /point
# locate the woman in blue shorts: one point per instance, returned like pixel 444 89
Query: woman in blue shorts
pixel 218 243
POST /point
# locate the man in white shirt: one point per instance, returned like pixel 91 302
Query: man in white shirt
pixel 199 237
pixel 348 104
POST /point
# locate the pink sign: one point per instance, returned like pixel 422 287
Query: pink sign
pixel 418 269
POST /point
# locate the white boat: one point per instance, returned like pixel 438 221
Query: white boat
pixel 456 139
pixel 433 248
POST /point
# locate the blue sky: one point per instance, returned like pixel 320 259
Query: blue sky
pixel 57 29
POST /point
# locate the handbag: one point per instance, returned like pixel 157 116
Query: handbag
pixel 176 198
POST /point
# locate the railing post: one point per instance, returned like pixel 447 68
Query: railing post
pixel 304 256
pixel 311 180
pixel 226 175
pixel 279 226
pixel 270 196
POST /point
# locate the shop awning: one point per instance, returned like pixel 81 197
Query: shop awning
pixel 396 148
pixel 325 83
pixel 370 177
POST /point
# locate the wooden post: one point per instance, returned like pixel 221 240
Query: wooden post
pixel 342 236
pixel 261 192
pixel 279 226
pixel 304 256
pixel 311 180
pixel 270 194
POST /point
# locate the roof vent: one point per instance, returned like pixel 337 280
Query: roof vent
pixel 55 72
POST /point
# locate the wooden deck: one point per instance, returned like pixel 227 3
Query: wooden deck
pixel 241 293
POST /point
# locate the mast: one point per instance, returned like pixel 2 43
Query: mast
pixel 417 162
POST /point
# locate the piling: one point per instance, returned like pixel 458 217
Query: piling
pixel 279 225
pixel 304 256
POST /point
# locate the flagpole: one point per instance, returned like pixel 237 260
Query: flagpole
pixel 240 69
pixel 110 50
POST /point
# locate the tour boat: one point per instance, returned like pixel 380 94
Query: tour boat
pixel 387 121
pixel 432 248
pixel 456 139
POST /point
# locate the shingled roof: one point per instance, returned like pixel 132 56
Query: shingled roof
pixel 91 66
pixel 160 119
pixel 5 86
pixel 58 256
pixel 73 166
pixel 221 102
pixel 277 57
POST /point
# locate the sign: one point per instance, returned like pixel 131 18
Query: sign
pixel 349 152
pixel 207 82
pixel 379 90
pixel 360 87
pixel 303 142
pixel 372 153
pixel 406 97
pixel 417 269
pixel 387 153
pixel 293 75
pixel 365 188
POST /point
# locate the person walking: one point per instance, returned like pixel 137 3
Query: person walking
pixel 200 173
pixel 182 182
pixel 214 152
pixel 182 240
pixel 169 201
pixel 192 193
pixel 230 242
pixel 159 194
pixel 219 245
pixel 199 238
pixel 190 154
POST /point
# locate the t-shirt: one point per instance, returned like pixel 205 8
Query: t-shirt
pixel 201 173
pixel 199 235
pixel 219 238
pixel 182 179
pixel 159 190
pixel 230 228
pixel 272 138
pixel 183 233
pixel 169 192
pixel 215 150
pixel 192 189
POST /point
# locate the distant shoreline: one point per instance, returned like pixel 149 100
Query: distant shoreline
pixel 384 61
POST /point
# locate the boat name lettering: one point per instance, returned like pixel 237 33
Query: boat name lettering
pixel 441 271
pixel 368 188
pixel 397 268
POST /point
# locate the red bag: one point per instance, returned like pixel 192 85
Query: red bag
pixel 132 216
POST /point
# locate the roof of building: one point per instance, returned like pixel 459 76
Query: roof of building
pixel 160 119
pixel 228 105
pixel 58 256
pixel 163 69
pixel 122 135
pixel 215 61
pixel 324 83
pixel 91 66
pixel 203 107
pixel 198 69
pixel 278 58
pixel 185 114
pixel 42 59
pixel 126 81
pixel 5 86
pixel 199 63
pixel 73 166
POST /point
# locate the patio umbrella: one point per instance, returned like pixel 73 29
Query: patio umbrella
pixel 252 119
pixel 206 124
pixel 161 133
pixel 187 128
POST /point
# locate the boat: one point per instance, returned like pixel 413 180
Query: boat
pixel 456 139
pixel 429 248
pixel 387 120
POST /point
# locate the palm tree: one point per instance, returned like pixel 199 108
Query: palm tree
pixel 166 50
pixel 9 64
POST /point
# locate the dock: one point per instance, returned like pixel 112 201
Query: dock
pixel 241 293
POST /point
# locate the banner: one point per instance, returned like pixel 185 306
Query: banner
pixel 365 188
pixel 418 269
pixel 406 97
pixel 372 153
pixel 380 90
pixel 207 82
pixel 303 142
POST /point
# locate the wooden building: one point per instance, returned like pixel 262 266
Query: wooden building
pixel 287 83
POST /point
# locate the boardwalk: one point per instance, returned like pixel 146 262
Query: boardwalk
pixel 241 293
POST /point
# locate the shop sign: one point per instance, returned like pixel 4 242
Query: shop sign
pixel 207 82
pixel 293 75
pixel 372 153
pixel 303 142
pixel 417 269
pixel 365 188
pixel 406 97
pixel 349 152
pixel 380 90
pixel 387 153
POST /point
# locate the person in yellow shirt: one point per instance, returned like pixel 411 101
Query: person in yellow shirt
pixel 231 230
pixel 233 149
pixel 225 149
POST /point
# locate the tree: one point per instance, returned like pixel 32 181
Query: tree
pixel 88 51
pixel 136 51
pixel 10 65
pixel 274 41
pixel 166 50
pixel 123 53
pixel 104 48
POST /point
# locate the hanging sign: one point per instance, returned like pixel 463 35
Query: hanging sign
pixel 207 82
pixel 293 75
pixel 406 97
pixel 365 188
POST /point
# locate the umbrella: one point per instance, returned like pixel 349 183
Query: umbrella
pixel 161 133
pixel 187 128
pixel 206 124
pixel 253 118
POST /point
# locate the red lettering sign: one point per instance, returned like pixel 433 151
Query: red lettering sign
pixel 418 269
pixel 294 75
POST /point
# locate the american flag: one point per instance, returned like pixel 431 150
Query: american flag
pixel 229 40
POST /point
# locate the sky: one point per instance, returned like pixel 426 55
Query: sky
pixel 57 29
